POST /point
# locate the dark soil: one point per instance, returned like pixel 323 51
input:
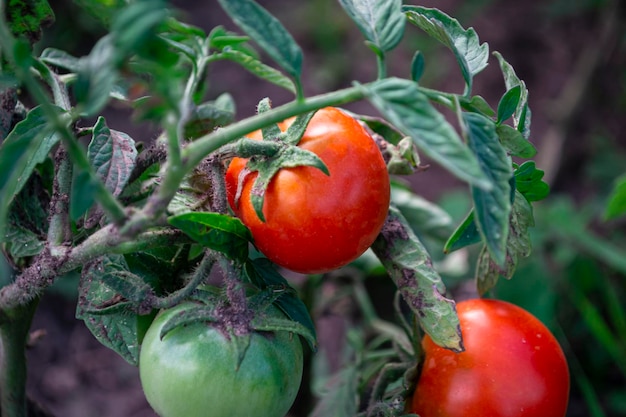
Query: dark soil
pixel 576 83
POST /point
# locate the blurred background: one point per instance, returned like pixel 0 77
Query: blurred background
pixel 571 55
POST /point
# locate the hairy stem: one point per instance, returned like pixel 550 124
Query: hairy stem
pixel 13 336
pixel 59 229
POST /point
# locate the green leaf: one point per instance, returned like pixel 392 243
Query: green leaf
pixel 268 32
pixel 115 328
pixel 82 193
pixel 263 274
pixel 210 115
pixel 508 103
pixel 425 218
pixel 417 66
pixel 216 231
pixel 136 23
pixel 616 204
pixel 220 39
pixel 112 154
pixel 471 55
pixel 514 142
pixel 521 116
pixel 492 207
pixel 477 104
pixel 28 220
pixel 381 21
pixel 518 246
pixel 410 267
pixel 465 235
pixel 258 68
pixel 528 181
pixel 28 145
pixel 403 105
pixel 97 76
pixel 60 59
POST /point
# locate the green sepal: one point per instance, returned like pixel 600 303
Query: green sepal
pixel 202 313
pixel 287 156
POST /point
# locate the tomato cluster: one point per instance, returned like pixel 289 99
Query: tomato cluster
pixel 316 222
pixel 512 366
pixel 195 370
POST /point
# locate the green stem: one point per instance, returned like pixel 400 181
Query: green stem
pixel 13 338
pixel 203 146
pixel 46 268
pixel 199 276
pixel 382 66
pixel 59 228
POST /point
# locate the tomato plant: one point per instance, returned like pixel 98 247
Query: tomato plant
pixel 512 366
pixel 147 222
pixel 316 222
pixel 196 369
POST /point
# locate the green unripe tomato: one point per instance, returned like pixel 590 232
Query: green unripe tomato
pixel 192 371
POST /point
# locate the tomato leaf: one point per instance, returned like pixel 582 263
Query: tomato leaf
pixel 96 77
pixel 216 231
pixel 263 274
pixel 471 55
pixel 28 220
pixel 406 107
pixel 427 219
pixel 116 328
pixel 518 246
pixel 514 142
pixel 528 181
pixel 466 234
pixel 522 114
pixel 112 154
pixel 28 144
pixel 258 68
pixel 477 104
pixel 60 59
pixel 411 269
pixel 616 204
pixel 381 21
pixel 210 115
pixel 417 66
pixel 508 103
pixel 268 32
pixel 491 207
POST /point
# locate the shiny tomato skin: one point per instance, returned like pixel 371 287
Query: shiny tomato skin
pixel 512 366
pixel 316 223
pixel 192 371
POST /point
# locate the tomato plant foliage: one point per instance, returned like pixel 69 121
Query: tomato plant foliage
pixel 304 186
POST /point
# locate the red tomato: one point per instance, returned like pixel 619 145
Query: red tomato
pixel 316 223
pixel 512 367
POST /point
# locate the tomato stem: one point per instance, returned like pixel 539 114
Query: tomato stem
pixel 14 328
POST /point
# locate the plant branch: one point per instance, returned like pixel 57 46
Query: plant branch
pixel 59 229
pixel 46 268
pixel 13 336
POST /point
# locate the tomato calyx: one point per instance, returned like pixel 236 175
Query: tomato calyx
pixel 236 324
pixel 276 151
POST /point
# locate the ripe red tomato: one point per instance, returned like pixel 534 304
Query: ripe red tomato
pixel 512 367
pixel 316 223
